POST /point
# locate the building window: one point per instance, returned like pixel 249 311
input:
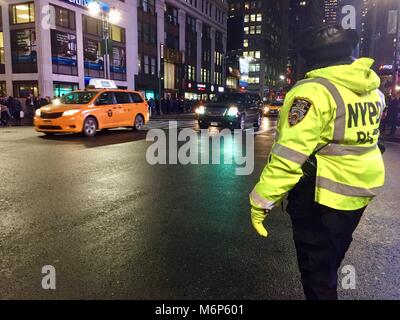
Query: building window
pixel 23 89
pixel 93 59
pixel 169 75
pixel 3 89
pixel 171 14
pixel 205 75
pixel 254 67
pixel 148 6
pixel 63 17
pixel 117 34
pixel 22 13
pixel 64 53
pixel 191 73
pixel 118 63
pixel 91 26
pixel 23 48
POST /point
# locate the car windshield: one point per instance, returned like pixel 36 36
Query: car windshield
pixel 83 97
pixel 236 97
pixel 277 104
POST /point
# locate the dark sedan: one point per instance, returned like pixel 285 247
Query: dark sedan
pixel 231 110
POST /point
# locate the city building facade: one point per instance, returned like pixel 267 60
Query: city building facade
pixel 381 40
pixel 182 46
pixel 302 15
pixel 51 47
pixel 173 47
pixel 331 11
pixel 264 43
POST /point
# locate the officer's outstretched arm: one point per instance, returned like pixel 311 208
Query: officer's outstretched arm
pixel 303 118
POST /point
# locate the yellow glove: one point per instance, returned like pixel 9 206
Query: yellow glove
pixel 257 218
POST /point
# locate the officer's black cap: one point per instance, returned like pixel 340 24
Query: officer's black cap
pixel 327 43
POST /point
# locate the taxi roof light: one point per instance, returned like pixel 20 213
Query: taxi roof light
pixel 102 84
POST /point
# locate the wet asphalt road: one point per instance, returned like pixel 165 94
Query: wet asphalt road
pixel 114 226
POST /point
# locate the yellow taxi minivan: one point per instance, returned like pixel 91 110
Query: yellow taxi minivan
pixel 90 110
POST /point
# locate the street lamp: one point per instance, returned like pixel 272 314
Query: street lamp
pixel 108 15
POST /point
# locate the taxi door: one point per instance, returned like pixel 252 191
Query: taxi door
pixel 125 108
pixel 107 110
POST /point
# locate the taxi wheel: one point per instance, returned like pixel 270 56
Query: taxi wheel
pixel 139 123
pixel 89 127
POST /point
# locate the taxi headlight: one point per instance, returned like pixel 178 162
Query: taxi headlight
pixel 233 111
pixel 38 112
pixel 266 109
pixel 201 110
pixel 70 112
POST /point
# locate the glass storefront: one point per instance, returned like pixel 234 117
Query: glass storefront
pixel 62 88
pixel 22 89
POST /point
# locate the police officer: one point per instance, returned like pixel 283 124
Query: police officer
pixel 325 155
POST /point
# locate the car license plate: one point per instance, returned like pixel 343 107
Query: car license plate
pixel 214 124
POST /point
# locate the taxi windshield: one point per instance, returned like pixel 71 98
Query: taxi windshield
pixel 83 97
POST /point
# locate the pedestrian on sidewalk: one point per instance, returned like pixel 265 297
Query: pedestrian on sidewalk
pixel 15 108
pixel 392 114
pixel 326 156
pixel 5 115
pixel 30 106
pixel 152 107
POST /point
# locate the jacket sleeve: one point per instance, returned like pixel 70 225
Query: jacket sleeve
pixel 305 114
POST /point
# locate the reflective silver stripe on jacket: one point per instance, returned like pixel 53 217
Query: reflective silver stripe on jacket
pixel 345 189
pixel 340 150
pixel 260 201
pixel 289 154
pixel 340 121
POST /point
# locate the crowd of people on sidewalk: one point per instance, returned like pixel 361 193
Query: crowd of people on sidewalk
pixel 172 106
pixel 12 110
pixel 391 119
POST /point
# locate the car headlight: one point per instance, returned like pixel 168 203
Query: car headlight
pixel 266 109
pixel 70 112
pixel 201 110
pixel 233 111
pixel 38 112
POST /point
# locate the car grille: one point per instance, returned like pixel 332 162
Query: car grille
pixel 50 127
pixel 216 111
pixel 54 115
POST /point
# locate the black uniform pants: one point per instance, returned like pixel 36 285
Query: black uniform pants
pixel 322 236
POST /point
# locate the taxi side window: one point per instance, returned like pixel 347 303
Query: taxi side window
pixel 122 97
pixel 105 98
pixel 136 98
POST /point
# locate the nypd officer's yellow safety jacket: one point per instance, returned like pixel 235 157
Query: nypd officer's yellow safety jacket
pixel 338 107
